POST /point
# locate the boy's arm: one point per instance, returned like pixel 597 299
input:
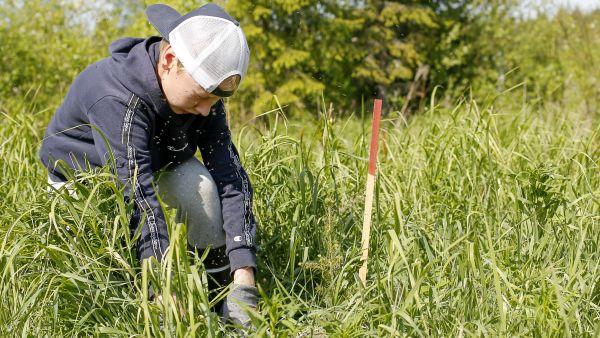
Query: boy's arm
pixel 127 126
pixel 222 160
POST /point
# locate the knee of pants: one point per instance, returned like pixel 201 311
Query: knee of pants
pixel 190 188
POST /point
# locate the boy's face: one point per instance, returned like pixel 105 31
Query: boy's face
pixel 184 95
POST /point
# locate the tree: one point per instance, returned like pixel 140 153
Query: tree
pixel 348 50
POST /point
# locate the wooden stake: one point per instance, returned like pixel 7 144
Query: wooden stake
pixel 366 232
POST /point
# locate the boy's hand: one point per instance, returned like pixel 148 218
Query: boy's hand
pixel 233 308
pixel 243 293
pixel 244 276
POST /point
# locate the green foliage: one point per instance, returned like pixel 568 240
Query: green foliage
pixel 485 223
pixel 548 58
pixel 44 47
pixel 350 49
pixel 557 58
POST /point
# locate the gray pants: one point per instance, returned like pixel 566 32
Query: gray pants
pixel 190 188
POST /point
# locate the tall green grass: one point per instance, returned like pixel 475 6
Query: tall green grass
pixel 486 223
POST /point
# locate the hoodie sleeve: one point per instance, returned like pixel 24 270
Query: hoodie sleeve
pixel 127 129
pixel 222 160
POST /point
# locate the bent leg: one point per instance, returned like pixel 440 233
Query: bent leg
pixel 190 188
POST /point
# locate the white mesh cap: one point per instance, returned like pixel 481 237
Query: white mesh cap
pixel 208 42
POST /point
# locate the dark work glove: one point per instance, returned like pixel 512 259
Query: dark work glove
pixel 232 310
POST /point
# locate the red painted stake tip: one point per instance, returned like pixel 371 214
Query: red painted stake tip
pixel 374 137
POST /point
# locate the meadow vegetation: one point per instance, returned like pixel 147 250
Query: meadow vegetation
pixel 486 218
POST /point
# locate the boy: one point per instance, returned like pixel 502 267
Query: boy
pixel 156 101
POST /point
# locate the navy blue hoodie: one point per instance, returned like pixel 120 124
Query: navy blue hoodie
pixel 122 98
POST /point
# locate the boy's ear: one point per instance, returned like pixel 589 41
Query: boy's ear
pixel 168 59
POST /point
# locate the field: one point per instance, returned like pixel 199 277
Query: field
pixel 486 223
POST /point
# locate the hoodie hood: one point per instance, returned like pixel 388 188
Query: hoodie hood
pixel 133 64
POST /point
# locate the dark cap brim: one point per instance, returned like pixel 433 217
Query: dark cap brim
pixel 162 17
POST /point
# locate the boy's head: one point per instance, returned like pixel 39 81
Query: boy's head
pixel 204 58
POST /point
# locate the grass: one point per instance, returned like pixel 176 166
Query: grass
pixel 486 223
